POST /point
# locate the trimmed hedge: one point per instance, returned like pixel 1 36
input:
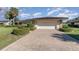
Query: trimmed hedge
pixel 20 31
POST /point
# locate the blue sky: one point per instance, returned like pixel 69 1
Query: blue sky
pixel 34 12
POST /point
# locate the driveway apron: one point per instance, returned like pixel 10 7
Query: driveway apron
pixel 44 40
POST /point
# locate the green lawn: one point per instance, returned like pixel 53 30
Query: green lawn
pixel 6 37
pixel 74 33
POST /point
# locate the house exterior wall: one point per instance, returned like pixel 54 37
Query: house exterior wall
pixel 6 23
pixel 50 21
pixel 54 22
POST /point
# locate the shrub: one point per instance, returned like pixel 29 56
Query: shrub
pixel 1 24
pixel 70 25
pixel 30 25
pixel 32 28
pixel 10 25
pixel 21 26
pixel 66 29
pixel 20 31
pixel 61 29
pixel 65 26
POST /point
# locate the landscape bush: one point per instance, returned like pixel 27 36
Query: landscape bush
pixel 1 25
pixel 31 26
pixel 10 25
pixel 20 31
pixel 65 26
pixel 23 29
pixel 66 29
pixel 21 26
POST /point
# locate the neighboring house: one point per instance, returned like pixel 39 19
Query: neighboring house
pixel 74 23
pixel 4 22
pixel 48 22
pixel 7 23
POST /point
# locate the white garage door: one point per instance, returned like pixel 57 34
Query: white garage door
pixel 45 26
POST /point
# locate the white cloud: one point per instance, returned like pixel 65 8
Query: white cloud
pixel 58 8
pixel 53 11
pixel 67 11
pixel 48 9
pixel 27 15
pixel 70 15
pixel 24 15
pixel 62 15
pixel 61 12
pixel 37 14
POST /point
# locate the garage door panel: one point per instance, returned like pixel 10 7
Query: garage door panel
pixel 45 25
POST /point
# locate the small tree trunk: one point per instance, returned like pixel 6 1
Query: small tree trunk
pixel 10 20
pixel 14 21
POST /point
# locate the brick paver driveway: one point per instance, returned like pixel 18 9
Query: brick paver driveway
pixel 44 40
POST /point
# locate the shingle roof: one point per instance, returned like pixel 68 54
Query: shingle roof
pixel 51 18
pixel 62 18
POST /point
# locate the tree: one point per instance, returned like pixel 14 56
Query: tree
pixel 11 15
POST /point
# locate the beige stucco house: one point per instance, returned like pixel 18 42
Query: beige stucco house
pixel 49 22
